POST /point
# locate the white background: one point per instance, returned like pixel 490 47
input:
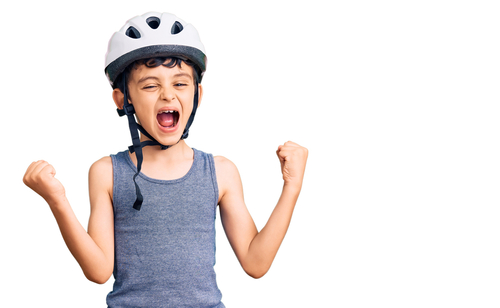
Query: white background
pixel 397 102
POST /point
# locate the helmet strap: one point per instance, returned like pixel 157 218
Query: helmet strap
pixel 185 134
pixel 128 110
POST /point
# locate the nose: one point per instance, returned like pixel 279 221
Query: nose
pixel 167 94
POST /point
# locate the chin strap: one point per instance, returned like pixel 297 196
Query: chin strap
pixel 185 134
pixel 137 145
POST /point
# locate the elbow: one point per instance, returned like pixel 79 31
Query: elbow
pixel 256 267
pixel 98 281
pixel 99 278
pixel 256 272
pixel 256 275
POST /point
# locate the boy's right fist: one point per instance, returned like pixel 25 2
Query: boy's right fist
pixel 40 178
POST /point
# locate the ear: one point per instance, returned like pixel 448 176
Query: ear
pixel 118 98
pixel 200 94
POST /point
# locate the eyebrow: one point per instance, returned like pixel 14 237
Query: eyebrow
pixel 146 78
pixel 156 78
pixel 183 75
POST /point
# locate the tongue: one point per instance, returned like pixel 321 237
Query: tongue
pixel 165 119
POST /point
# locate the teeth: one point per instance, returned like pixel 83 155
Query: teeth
pixel 167 111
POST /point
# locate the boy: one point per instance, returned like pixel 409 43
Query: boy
pixel 153 207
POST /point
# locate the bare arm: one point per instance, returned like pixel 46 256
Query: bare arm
pixel 93 250
pixel 256 250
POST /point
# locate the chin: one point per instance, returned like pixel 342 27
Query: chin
pixel 169 138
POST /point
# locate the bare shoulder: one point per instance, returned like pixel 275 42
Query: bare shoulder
pixel 224 168
pixel 102 165
pixel 222 162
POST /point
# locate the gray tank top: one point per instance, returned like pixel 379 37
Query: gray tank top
pixel 165 253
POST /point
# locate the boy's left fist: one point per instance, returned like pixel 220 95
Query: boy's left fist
pixel 293 159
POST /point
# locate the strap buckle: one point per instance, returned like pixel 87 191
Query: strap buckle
pixel 127 110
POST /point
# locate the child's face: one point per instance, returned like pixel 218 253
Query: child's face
pixel 163 99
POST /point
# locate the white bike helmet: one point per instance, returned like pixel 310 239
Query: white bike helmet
pixel 152 35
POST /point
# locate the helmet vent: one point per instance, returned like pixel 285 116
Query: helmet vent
pixel 176 27
pixel 153 22
pixel 132 33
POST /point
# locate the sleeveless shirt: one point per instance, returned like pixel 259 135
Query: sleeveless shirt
pixel 165 253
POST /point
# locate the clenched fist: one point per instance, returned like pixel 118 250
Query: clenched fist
pixel 293 159
pixel 40 178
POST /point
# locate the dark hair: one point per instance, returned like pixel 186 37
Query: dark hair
pixel 155 62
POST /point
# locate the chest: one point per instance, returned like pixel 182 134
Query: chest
pixel 166 172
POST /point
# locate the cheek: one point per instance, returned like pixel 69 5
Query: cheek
pixel 188 100
pixel 142 113
pixel 143 105
pixel 187 112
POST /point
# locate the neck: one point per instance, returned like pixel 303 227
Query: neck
pixel 168 164
pixel 173 153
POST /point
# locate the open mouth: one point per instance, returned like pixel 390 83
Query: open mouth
pixel 168 118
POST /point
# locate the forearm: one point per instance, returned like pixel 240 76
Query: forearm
pixel 266 243
pixel 87 253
